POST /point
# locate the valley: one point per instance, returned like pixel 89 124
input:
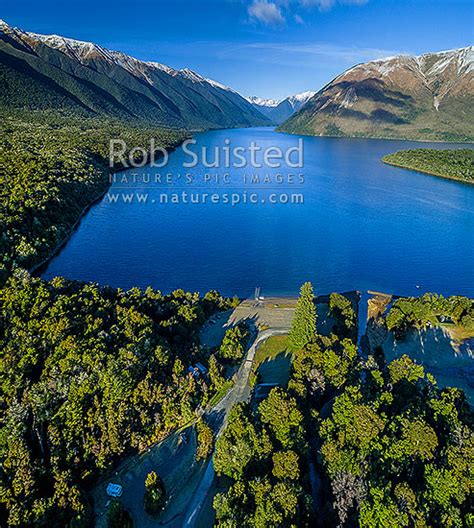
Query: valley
pixel 278 246
pixel 279 111
pixel 157 365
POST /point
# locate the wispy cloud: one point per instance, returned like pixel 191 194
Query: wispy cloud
pixel 271 69
pixel 266 12
pixel 310 55
pixel 325 5
pixel 282 52
pixel 276 12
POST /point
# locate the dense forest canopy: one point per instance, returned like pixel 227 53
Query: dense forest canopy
pixel 51 168
pixel 454 164
pixel 350 442
pixel 430 309
pixel 88 375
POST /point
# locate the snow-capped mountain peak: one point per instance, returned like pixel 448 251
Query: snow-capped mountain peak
pixel 280 109
pixel 260 101
pixel 85 51
pixel 428 65
pixel 300 99
pixel 78 48
pixel 95 79
pixel 196 77
pixel 294 100
pixel 159 66
pixel 217 84
pixel 427 96
pixel 191 75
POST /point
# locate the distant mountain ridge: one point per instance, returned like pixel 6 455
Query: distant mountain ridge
pixel 280 110
pixel 260 101
pixel 54 72
pixel 430 96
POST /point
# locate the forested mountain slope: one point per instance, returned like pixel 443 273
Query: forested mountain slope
pixel 82 78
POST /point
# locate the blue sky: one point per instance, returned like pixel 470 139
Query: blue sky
pixel 269 48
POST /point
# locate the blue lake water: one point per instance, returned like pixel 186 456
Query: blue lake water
pixel 363 225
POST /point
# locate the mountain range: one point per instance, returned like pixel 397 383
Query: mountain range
pixel 280 110
pixel 429 96
pixel 43 72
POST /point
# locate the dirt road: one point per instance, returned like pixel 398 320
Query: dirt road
pixel 239 392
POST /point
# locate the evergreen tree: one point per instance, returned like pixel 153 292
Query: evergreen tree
pixel 154 494
pixel 234 343
pixel 303 328
pixel 118 516
pixel 215 373
pixel 205 440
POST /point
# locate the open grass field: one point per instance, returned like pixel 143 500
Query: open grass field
pixel 273 346
pixel 268 351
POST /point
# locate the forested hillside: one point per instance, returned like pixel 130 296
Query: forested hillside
pixel 88 375
pixel 350 442
pixel 49 72
pixel 452 164
pixel 51 168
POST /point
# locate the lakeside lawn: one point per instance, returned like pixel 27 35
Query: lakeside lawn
pixel 268 351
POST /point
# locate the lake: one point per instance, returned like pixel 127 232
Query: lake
pixel 363 225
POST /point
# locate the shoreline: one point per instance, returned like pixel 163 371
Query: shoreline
pixel 384 138
pixel 37 268
pixel 437 175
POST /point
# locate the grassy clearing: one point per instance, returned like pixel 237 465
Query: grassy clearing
pixel 221 393
pixel 269 349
